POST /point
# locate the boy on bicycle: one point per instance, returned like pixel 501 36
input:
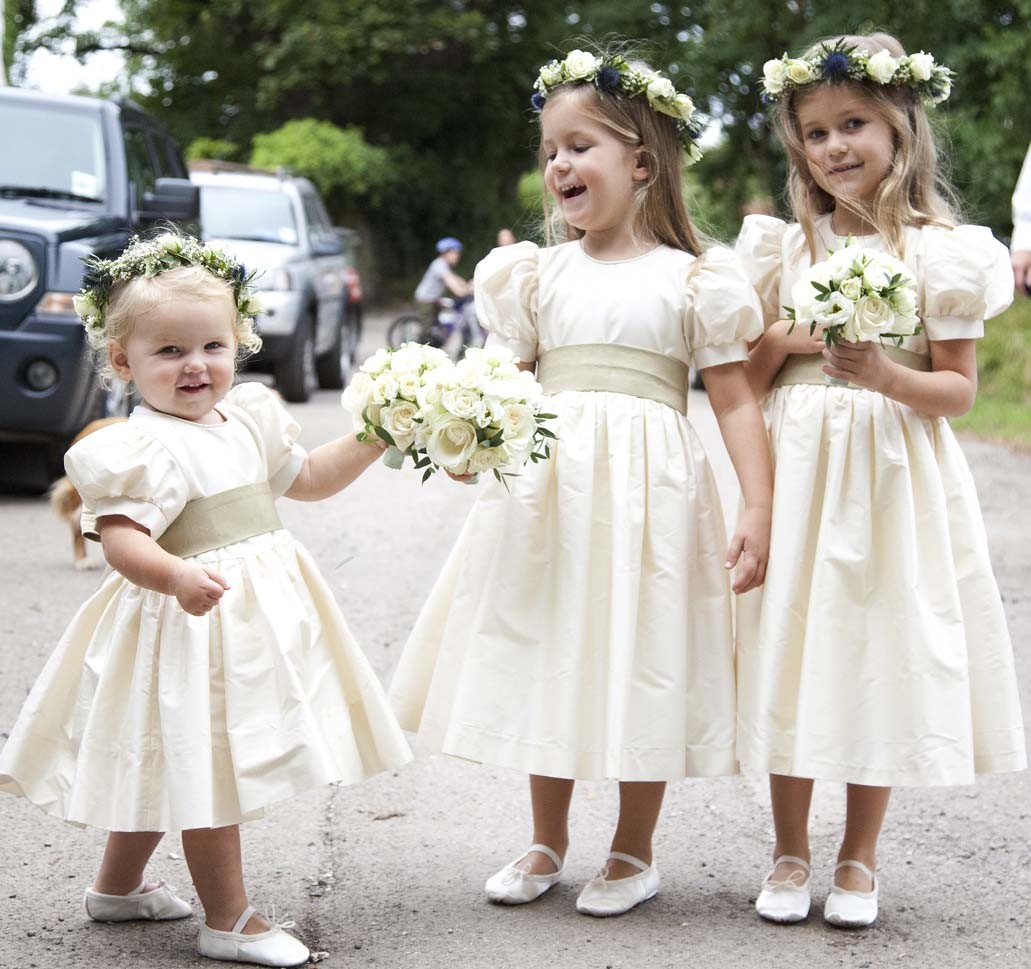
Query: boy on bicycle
pixel 441 278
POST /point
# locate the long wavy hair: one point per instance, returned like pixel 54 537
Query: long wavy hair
pixel 660 212
pixel 916 191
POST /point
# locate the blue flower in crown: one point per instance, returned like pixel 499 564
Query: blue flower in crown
pixel 837 65
pixel 537 101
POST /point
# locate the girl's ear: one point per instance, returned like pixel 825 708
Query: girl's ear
pixel 642 171
pixel 119 360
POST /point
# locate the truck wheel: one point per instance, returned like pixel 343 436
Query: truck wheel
pixel 295 372
pixel 336 366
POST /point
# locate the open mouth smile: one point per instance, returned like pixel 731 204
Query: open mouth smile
pixel 572 191
pixel 192 388
pixel 845 169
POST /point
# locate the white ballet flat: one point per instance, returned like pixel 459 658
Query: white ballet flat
pixel 849 909
pixel 786 899
pixel 602 897
pixel 510 886
pixel 271 948
pixel 156 905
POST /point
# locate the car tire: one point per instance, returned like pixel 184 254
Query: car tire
pixel 336 366
pixel 295 372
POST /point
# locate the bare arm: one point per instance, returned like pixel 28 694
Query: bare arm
pixel 948 390
pixel 744 433
pixel 457 285
pixel 774 347
pixel 332 467
pixel 130 550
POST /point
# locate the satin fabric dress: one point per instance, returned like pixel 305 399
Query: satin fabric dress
pixel 146 718
pixel 877 651
pixel 581 626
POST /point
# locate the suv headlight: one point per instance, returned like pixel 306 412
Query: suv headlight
pixel 279 281
pixel 18 271
pixel 61 304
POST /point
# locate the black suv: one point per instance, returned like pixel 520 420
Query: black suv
pixel 77 176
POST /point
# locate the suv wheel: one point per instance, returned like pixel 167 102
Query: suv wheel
pixel 336 366
pixel 295 372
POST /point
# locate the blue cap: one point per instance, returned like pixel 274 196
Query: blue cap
pixel 448 242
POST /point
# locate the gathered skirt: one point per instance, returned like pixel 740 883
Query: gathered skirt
pixel 146 718
pixel 582 625
pixel 877 651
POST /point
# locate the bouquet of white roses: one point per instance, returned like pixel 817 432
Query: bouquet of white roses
pixel 857 294
pixel 384 400
pixel 481 414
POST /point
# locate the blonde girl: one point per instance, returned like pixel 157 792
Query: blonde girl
pixel 212 674
pixel 877 653
pixel 581 628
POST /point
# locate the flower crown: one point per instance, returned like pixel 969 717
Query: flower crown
pixel 145 258
pixel 613 75
pixel 841 61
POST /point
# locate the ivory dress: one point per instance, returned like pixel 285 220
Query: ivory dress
pixel 877 652
pixel 581 626
pixel 146 718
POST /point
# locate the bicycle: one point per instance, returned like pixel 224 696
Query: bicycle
pixel 436 329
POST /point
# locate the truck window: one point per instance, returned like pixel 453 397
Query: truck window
pixel 138 160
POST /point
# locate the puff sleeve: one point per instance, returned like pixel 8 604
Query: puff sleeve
pixel 275 431
pixel 722 313
pixel 759 248
pixel 505 284
pixel 966 280
pixel 121 470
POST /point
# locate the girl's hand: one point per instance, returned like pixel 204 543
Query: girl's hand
pixel 798 340
pixel 198 589
pixel 468 479
pixel 863 364
pixel 750 549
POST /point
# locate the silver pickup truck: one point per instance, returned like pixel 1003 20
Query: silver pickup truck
pixel 277 224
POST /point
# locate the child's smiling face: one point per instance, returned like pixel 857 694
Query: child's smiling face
pixel 849 146
pixel 181 356
pixel 589 171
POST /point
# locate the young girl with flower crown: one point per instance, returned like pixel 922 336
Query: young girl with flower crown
pixel 877 652
pixel 581 627
pixel 212 673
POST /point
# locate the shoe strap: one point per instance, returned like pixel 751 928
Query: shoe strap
pixel 629 859
pixel 242 921
pixel 849 863
pixel 793 860
pixel 138 890
pixel 548 852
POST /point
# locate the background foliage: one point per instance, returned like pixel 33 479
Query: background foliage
pixel 412 115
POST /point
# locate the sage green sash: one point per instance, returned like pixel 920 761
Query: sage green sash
pixel 617 369
pixel 806 368
pixel 222 519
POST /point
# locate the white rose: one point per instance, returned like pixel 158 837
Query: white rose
pixel 799 71
pixel 876 276
pixel 873 317
pixel 518 421
pixel 408 385
pixel 379 361
pixel 84 305
pixel 920 66
pixel 357 395
pixel 169 243
pixel 487 458
pixel 551 74
pixel 904 302
pixel 463 403
pixel 399 421
pixel 406 357
pixel 450 444
pixel 384 388
pixel 774 73
pixel 580 65
pixel 881 67
pixel 254 305
pixel 803 293
pixel 434 357
pixel 661 88
pixel 851 288
pixel 469 373
pixel 685 107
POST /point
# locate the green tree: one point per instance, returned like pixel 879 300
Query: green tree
pixel 18 17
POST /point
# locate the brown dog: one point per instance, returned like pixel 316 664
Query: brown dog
pixel 66 502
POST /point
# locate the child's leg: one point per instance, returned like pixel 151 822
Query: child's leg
pixel 216 865
pixel 639 806
pixel 125 858
pixel 549 798
pixel 864 815
pixel 790 798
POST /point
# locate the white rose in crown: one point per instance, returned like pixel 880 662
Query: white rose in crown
pixel 551 74
pixel 774 73
pixel 685 107
pixel 881 67
pixel 921 65
pixel 451 443
pixel 84 305
pixel 661 88
pixel 799 72
pixel 580 65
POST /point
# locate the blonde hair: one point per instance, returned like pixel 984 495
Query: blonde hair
pixel 916 190
pixel 135 298
pixel 660 213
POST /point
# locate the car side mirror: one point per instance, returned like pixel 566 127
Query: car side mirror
pixel 326 244
pixel 172 199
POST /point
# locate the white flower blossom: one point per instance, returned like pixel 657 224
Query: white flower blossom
pixel 881 66
pixel 580 65
pixel 921 65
